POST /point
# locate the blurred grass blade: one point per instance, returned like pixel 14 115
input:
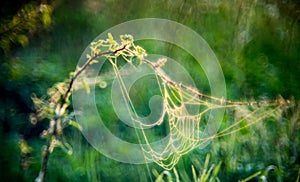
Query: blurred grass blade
pixel 251 176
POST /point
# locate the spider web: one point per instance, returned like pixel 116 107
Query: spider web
pixel 186 129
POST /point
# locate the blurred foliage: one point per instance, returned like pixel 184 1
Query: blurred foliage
pixel 256 42
pixel 19 28
pixel 55 107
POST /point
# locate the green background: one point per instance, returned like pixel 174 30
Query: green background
pixel 257 44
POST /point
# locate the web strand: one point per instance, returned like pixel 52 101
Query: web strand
pixel 184 128
pixel 185 109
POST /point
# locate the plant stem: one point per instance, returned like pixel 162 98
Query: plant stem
pixel 46 153
pixel 55 129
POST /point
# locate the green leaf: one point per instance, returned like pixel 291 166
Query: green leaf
pixel 86 87
pixel 66 147
pixel 176 174
pixel 216 170
pixel 126 39
pixel 46 19
pixel 251 176
pixel 46 11
pixel 155 173
pixel 94 62
pixel 22 39
pixel 88 56
pixel 111 38
pixel 75 124
pixel 194 173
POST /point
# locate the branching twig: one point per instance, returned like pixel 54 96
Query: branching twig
pixel 55 129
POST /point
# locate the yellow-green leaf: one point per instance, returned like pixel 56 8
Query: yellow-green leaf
pixel 75 124
pixel 22 39
pixel 86 87
pixel 88 56
pixel 46 19
pixel 110 37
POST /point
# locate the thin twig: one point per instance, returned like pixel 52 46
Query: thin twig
pixel 222 101
pixel 55 130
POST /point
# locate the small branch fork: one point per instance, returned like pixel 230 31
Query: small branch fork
pixel 55 128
